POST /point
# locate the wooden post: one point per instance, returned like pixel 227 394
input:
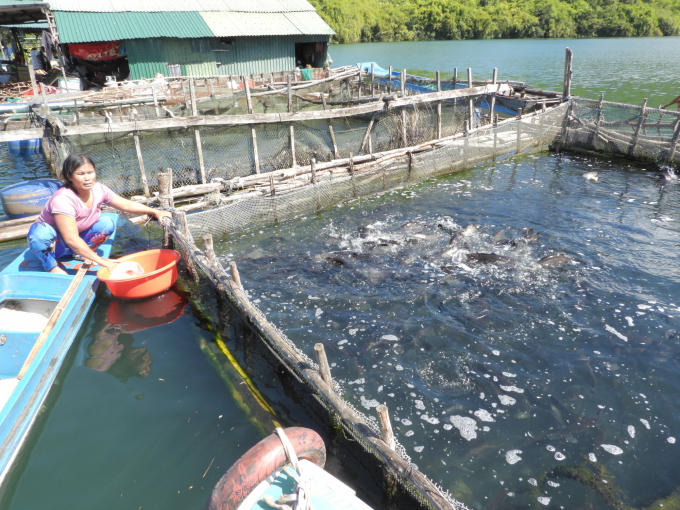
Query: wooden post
pixel 636 136
pixel 290 97
pixel 75 112
pixel 597 122
pixel 403 82
pixel 403 126
pixel 439 106
pixel 182 220
pixel 674 140
pixel 336 154
pixel 368 131
pixel 454 82
pixel 291 137
pixel 324 368
pixel 34 84
pixel 316 191
pixel 249 102
pixel 372 79
pixel 370 144
pixel 360 80
pixel 212 96
pixel 165 189
pixel 519 131
pixel 155 101
pixel 120 113
pixel 234 274
pixel 385 425
pixel 471 102
pixel 494 80
pixel 410 165
pixel 138 148
pixel 192 96
pixel 208 248
pixel 389 81
pixel 566 92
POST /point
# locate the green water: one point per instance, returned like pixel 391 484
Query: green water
pixel 143 434
pixel 624 70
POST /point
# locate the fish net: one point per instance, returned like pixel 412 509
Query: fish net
pixel 647 134
pixel 228 151
pixel 516 136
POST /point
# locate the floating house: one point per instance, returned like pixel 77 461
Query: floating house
pixel 176 38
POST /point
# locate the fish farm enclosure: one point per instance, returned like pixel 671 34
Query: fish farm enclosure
pixel 518 320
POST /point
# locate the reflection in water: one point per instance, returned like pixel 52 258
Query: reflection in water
pixel 111 349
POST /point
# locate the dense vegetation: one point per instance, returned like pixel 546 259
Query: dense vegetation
pixel 413 20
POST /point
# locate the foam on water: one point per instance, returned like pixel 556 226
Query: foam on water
pixel 479 355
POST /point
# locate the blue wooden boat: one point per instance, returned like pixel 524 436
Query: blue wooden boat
pixel 26 288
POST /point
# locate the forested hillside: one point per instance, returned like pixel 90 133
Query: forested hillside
pixel 419 20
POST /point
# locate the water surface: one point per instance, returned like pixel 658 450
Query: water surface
pixel 503 379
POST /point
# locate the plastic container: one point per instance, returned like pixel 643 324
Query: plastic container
pixel 160 273
pixel 23 147
pixel 27 198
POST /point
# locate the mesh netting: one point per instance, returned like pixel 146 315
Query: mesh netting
pixel 622 129
pixel 332 187
pixel 228 151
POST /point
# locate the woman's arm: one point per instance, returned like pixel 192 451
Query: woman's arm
pixel 123 204
pixel 69 233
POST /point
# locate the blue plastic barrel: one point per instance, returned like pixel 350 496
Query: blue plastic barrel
pixel 21 147
pixel 27 198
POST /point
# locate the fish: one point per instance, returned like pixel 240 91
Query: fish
pixel 487 258
pixel 590 176
pixel 409 225
pixel 467 231
pixel 499 237
pixel 337 261
pixel 581 426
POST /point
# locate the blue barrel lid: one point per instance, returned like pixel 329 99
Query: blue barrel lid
pixel 37 186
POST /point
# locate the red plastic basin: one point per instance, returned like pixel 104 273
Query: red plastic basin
pixel 160 273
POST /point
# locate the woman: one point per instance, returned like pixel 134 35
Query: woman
pixel 71 222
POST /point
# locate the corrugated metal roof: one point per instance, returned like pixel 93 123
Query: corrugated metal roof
pixel 180 5
pixel 12 11
pixel 233 24
pixel 309 23
pixel 79 27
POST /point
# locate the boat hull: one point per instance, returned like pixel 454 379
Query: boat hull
pixel 23 281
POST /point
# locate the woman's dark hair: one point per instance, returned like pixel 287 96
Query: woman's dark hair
pixel 71 164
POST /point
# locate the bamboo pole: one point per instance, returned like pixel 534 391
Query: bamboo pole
pixel 471 103
pixel 636 136
pixel 155 101
pixel 359 83
pixel 54 317
pixel 598 121
pixel 439 106
pixel 566 92
pixel 336 154
pixel 454 82
pixel 368 131
pixel 351 173
pixel 385 426
pixel 372 79
pixel 253 135
pixel 140 160
pixel 324 368
pixel 495 135
pixel 403 82
pixel 389 81
pixel 494 80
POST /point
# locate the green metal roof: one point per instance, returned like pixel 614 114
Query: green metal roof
pixel 80 27
pixel 180 5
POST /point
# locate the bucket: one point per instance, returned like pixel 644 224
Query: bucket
pixel 160 273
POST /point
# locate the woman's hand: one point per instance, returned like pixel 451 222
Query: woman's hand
pixel 161 214
pixel 107 263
